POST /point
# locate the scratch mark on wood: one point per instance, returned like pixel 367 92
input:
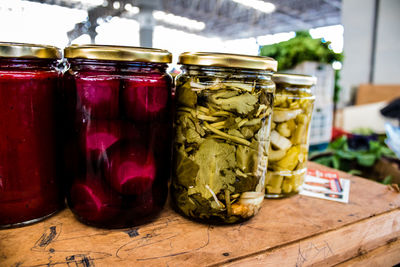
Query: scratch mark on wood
pixel 143 242
pixel 300 258
pixel 330 249
pixel 50 235
pixel 183 252
pixel 83 236
pixel 73 259
pixel 80 260
pixel 132 232
pixel 311 251
pixel 46 239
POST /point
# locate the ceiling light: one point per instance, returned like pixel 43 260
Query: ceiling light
pixel 265 7
pixel 337 65
pixel 131 9
pixel 179 21
pixel 116 5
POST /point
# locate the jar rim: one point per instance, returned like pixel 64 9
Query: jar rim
pixel 294 79
pixel 25 50
pixel 118 53
pixel 228 60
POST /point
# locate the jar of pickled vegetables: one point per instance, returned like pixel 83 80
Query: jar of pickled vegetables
pixel 222 121
pixel 293 106
pixel 118 133
pixel 29 182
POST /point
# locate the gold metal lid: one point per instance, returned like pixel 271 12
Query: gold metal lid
pixel 295 79
pixel 20 50
pixel 228 60
pixel 118 53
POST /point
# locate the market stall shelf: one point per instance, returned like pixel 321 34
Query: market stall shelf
pixel 297 231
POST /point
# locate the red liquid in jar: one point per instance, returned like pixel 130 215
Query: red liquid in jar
pixel 98 94
pixel 145 98
pixel 29 186
pixel 121 177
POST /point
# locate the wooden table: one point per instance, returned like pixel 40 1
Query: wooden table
pixel 296 231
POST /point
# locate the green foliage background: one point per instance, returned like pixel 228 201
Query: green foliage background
pixel 303 48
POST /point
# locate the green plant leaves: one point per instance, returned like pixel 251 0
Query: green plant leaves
pixel 387 180
pixel 349 160
pixel 299 49
pixel 346 154
pixel 366 160
pixel 338 143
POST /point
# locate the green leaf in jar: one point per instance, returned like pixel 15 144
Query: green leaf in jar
pixel 246 158
pixel 245 184
pixel 247 132
pixel 215 160
pixel 186 96
pixel 188 129
pixel 230 100
pixel 235 132
pixel 181 199
pixel 185 169
pixel 239 86
pixel 192 136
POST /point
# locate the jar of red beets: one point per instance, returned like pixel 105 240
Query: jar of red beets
pixel 29 185
pixel 118 138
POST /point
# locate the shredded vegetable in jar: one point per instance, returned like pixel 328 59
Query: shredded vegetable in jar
pixel 222 123
pixel 293 106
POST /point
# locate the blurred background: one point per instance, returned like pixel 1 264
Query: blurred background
pixel 352 46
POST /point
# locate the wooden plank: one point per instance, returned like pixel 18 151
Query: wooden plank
pixel 332 247
pixel 175 241
pixel 387 255
pixel 372 93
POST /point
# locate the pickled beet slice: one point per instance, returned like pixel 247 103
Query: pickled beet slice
pixel 145 99
pixel 100 135
pixel 130 168
pixel 98 95
pixel 93 202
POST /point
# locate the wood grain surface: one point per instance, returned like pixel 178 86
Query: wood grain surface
pixel 297 231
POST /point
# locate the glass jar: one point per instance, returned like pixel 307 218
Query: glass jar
pixel 29 182
pixel 287 162
pixel 222 122
pixel 118 133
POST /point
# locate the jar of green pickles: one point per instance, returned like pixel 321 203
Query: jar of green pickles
pixel 293 106
pixel 222 126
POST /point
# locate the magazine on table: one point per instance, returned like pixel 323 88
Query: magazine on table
pixel 326 185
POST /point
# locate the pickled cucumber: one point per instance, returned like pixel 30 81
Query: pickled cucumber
pixel 289 140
